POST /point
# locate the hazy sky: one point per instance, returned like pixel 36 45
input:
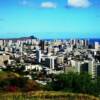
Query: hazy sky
pixel 21 16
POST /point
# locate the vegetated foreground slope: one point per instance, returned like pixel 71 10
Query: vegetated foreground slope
pixel 46 95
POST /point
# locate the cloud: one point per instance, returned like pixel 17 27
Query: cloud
pixel 48 5
pixel 24 2
pixel 79 3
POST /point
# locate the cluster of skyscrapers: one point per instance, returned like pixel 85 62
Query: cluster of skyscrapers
pixel 77 55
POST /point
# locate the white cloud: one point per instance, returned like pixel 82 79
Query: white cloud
pixel 48 5
pixel 24 2
pixel 79 3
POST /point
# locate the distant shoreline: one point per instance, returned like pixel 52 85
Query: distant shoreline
pixel 91 40
pixel 19 38
pixel 31 37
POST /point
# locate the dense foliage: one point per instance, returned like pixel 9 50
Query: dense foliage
pixel 74 82
pixel 12 82
pixel 70 82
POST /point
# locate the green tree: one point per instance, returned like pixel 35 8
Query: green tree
pixel 74 82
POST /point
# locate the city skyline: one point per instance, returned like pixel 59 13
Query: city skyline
pixel 51 16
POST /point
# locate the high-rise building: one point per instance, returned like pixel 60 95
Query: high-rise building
pixel 1 42
pixel 60 60
pixel 97 70
pixel 52 62
pixel 97 45
pixel 85 66
pixel 92 68
pixel 38 55
pixel 42 44
pixel 49 49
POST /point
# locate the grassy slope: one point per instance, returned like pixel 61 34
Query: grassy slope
pixel 45 95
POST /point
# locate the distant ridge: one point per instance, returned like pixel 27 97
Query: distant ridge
pixel 20 38
pixel 51 35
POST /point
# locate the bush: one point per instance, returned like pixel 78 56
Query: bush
pixel 74 82
pixel 31 86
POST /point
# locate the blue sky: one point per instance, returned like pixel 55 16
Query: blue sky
pixel 40 16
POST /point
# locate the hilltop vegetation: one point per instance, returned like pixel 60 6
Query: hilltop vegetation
pixel 70 82
pixel 45 95
pixel 13 82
